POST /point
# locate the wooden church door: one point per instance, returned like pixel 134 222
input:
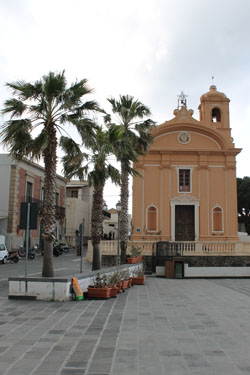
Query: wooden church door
pixel 184 223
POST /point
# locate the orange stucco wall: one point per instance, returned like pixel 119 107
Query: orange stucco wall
pixel 206 149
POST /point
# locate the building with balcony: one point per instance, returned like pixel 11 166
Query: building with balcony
pixel 23 181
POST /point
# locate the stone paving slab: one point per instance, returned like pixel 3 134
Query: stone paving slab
pixel 171 327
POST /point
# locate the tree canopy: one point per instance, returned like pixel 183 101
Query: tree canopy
pixel 38 113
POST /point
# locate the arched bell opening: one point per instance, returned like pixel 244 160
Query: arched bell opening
pixel 216 115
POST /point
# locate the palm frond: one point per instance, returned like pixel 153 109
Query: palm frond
pixel 91 105
pixel 86 127
pixel 10 128
pixel 73 158
pixel 38 145
pixel 113 173
pixel 54 85
pixel 25 90
pixel 16 136
pixel 15 107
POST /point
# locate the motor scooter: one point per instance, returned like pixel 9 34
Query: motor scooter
pixel 13 256
pixel 56 250
pixel 31 252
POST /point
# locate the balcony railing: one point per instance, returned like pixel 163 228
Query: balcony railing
pixel 60 210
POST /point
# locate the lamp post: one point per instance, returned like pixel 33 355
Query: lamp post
pixel 118 209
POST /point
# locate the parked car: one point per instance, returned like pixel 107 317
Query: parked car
pixel 3 253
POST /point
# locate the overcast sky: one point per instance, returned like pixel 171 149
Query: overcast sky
pixel 151 49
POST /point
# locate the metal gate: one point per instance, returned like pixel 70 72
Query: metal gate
pixel 166 251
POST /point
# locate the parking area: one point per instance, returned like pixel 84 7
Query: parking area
pixel 176 327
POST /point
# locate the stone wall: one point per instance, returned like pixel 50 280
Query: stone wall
pixel 218 261
pixel 149 262
pixel 109 260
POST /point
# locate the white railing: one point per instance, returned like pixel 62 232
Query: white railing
pixel 218 247
pixel 184 248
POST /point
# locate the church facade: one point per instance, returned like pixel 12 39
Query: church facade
pixel 187 185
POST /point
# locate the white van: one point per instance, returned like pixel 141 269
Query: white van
pixel 3 253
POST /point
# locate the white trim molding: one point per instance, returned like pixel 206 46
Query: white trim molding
pixel 222 219
pixel 185 200
pixel 178 174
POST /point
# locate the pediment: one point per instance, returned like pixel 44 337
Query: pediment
pixel 195 140
pixel 167 135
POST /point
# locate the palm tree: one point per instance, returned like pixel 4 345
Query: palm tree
pixel 98 170
pixel 45 106
pixel 134 141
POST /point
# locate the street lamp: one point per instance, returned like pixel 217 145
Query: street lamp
pixel 118 209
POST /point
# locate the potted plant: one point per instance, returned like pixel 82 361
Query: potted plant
pixel 100 288
pixel 125 279
pixel 135 256
pixel 138 277
pixel 114 284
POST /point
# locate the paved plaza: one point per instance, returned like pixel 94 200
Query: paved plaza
pixel 176 327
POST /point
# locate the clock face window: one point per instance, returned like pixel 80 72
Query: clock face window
pixel 184 137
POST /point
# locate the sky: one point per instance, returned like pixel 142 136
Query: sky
pixel 150 49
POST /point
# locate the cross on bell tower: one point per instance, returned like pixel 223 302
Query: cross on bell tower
pixel 182 100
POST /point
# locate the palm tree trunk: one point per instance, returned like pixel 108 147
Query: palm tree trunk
pixel 97 226
pixel 124 212
pixel 49 210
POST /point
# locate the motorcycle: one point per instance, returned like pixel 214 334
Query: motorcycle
pixel 63 246
pixel 13 256
pixel 31 252
pixel 56 250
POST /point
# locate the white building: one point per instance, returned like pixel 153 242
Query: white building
pixel 110 225
pixel 79 197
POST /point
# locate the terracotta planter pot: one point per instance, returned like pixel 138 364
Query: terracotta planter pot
pixel 125 284
pixel 114 291
pixel 138 280
pixel 118 286
pixel 130 283
pixel 99 292
pixel 132 260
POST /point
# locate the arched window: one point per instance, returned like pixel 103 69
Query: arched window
pixel 217 216
pixel 152 218
pixel 216 115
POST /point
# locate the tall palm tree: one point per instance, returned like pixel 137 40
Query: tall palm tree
pixel 98 170
pixel 134 141
pixel 45 106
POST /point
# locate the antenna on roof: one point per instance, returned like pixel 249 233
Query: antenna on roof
pixel 182 101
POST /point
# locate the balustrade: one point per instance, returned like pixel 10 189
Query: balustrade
pixel 184 248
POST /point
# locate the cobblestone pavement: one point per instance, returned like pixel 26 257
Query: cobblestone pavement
pixel 171 327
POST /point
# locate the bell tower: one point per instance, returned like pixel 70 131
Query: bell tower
pixel 214 109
